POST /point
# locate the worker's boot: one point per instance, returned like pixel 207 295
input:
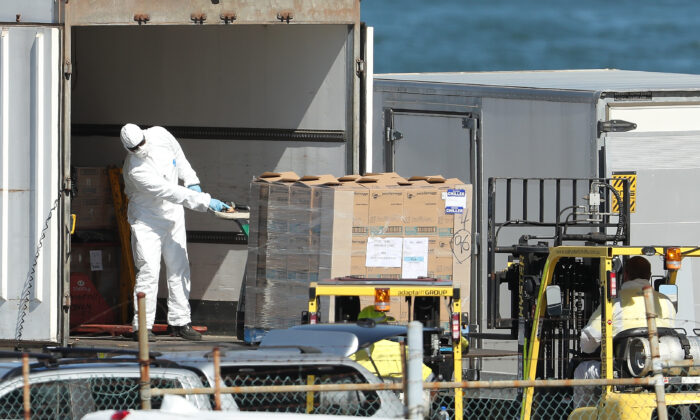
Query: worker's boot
pixel 186 332
pixel 151 336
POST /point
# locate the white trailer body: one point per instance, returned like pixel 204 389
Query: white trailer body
pixel 546 124
pixel 246 87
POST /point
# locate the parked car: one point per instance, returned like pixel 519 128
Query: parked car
pixel 70 387
pixel 293 366
pixel 356 338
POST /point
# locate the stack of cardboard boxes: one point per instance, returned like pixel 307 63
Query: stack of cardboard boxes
pixel 311 228
pixel 95 266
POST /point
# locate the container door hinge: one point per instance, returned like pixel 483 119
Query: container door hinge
pixel 198 18
pixel 142 18
pixel 393 135
pixel 67 69
pixel 228 17
pixel 615 126
pixel 359 67
pixel 66 302
pixel 285 16
pixel 67 185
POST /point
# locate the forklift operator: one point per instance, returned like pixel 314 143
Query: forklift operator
pixel 628 312
pixel 152 170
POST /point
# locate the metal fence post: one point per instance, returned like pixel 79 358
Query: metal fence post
pixel 26 390
pixel 144 357
pixel 217 379
pixel 655 357
pixel 414 372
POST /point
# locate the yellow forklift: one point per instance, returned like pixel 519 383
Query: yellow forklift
pixel 564 263
pixel 442 348
pixel 626 355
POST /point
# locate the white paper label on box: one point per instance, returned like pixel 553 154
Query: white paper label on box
pixel 96 260
pixel 455 201
pixel 415 258
pixel 384 252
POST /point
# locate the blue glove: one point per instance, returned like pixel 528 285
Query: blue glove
pixel 217 205
pixel 195 187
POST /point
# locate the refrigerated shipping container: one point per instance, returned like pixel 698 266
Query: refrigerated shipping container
pixel 546 124
pixel 245 87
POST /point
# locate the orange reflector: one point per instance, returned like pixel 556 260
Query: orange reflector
pixel 381 299
pixel 612 284
pixel 673 258
pixel 456 330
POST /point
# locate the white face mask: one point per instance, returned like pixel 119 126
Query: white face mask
pixel 142 151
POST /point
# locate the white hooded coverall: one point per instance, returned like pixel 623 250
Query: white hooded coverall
pixel 157 219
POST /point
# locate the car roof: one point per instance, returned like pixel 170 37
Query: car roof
pixel 341 343
pixel 367 334
pixel 287 354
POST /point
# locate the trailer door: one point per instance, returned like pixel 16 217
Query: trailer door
pixel 663 156
pixel 29 183
pixel 421 142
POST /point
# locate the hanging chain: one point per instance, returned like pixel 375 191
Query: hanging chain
pixel 29 283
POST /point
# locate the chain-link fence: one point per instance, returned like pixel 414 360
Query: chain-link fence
pixel 56 397
pixel 337 386
pixel 345 390
pixel 633 402
pixel 349 403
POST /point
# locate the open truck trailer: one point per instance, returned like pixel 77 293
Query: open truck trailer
pixel 244 86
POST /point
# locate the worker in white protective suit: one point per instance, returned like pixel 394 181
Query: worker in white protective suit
pixel 152 170
pixel 629 312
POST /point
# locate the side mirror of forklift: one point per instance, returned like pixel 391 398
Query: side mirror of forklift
pixel 553 295
pixel 671 292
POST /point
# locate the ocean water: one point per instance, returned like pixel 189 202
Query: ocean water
pixel 493 35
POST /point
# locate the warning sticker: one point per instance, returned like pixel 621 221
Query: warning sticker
pixel 618 183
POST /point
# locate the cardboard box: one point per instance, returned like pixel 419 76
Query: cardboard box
pixel 92 182
pixel 93 213
pixel 101 263
pixel 360 204
pixel 420 209
pixel 461 231
pixel 385 208
pixel 336 233
pixel 87 305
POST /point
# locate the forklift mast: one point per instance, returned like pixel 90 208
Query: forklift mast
pixel 528 216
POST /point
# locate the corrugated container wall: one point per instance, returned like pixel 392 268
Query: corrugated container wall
pixel 29 169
